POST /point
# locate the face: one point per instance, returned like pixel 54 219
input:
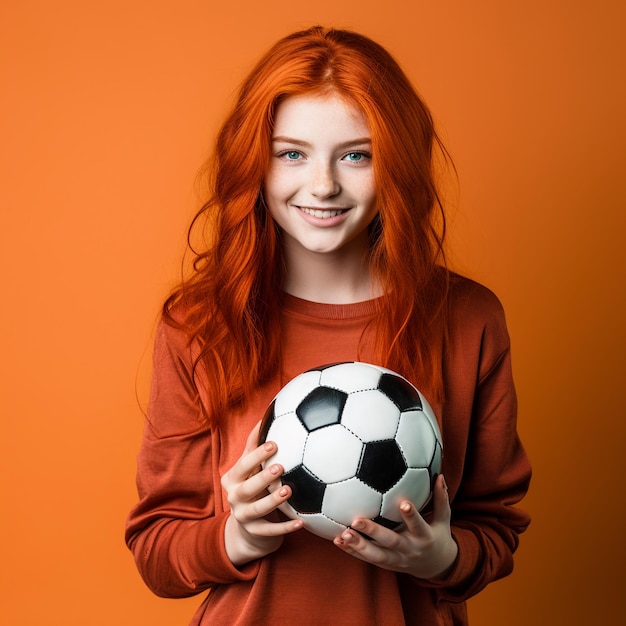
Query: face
pixel 320 184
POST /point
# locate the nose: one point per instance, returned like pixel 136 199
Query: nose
pixel 324 182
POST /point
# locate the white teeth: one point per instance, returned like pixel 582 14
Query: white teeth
pixel 321 213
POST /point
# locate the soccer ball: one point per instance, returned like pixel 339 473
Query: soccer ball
pixel 354 440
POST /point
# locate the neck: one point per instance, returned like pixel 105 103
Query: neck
pixel 330 278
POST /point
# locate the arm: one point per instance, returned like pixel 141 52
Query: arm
pixel 183 538
pixel 487 469
pixel 484 463
pixel 175 531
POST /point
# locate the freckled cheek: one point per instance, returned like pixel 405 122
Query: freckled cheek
pixel 368 196
pixel 279 189
pixel 277 199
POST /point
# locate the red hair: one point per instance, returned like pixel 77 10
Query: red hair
pixel 229 305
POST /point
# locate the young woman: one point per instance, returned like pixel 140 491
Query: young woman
pixel 323 244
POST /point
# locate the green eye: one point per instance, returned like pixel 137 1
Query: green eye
pixel 357 157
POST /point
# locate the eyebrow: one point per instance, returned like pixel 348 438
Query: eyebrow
pixel 306 144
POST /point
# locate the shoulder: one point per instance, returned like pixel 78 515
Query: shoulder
pixel 471 296
pixel 477 323
pixel 174 406
pixel 173 327
pixel 170 335
pixel 173 347
pixel 473 303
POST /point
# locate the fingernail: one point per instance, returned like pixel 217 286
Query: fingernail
pixel 283 492
pixel 359 523
pixel 274 469
pixel 269 446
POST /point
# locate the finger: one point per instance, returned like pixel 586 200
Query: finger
pixel 258 483
pixel 415 524
pixel 260 508
pixel 353 543
pixel 265 528
pixel 252 441
pixel 368 529
pixel 373 542
pixel 249 463
pixel 441 502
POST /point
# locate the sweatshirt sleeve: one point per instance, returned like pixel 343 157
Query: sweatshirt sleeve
pixel 176 531
pixel 488 470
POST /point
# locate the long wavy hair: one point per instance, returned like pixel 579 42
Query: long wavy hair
pixel 230 303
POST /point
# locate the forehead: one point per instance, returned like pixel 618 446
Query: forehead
pixel 310 115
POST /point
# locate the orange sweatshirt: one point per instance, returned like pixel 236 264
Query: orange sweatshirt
pixel 176 531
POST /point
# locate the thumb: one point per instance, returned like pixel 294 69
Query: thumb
pixel 253 438
pixel 441 502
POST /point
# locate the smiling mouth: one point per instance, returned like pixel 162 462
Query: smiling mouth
pixel 323 213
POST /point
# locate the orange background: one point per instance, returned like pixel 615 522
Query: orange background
pixel 107 110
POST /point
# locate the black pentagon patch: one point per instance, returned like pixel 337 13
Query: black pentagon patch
pixel 382 465
pixel 322 407
pixel 400 392
pixel 307 490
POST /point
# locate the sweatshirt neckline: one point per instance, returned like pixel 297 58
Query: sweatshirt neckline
pixel 293 304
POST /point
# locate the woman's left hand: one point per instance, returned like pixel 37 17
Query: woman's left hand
pixel 422 549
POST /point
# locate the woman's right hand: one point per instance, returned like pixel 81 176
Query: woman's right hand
pixel 252 530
